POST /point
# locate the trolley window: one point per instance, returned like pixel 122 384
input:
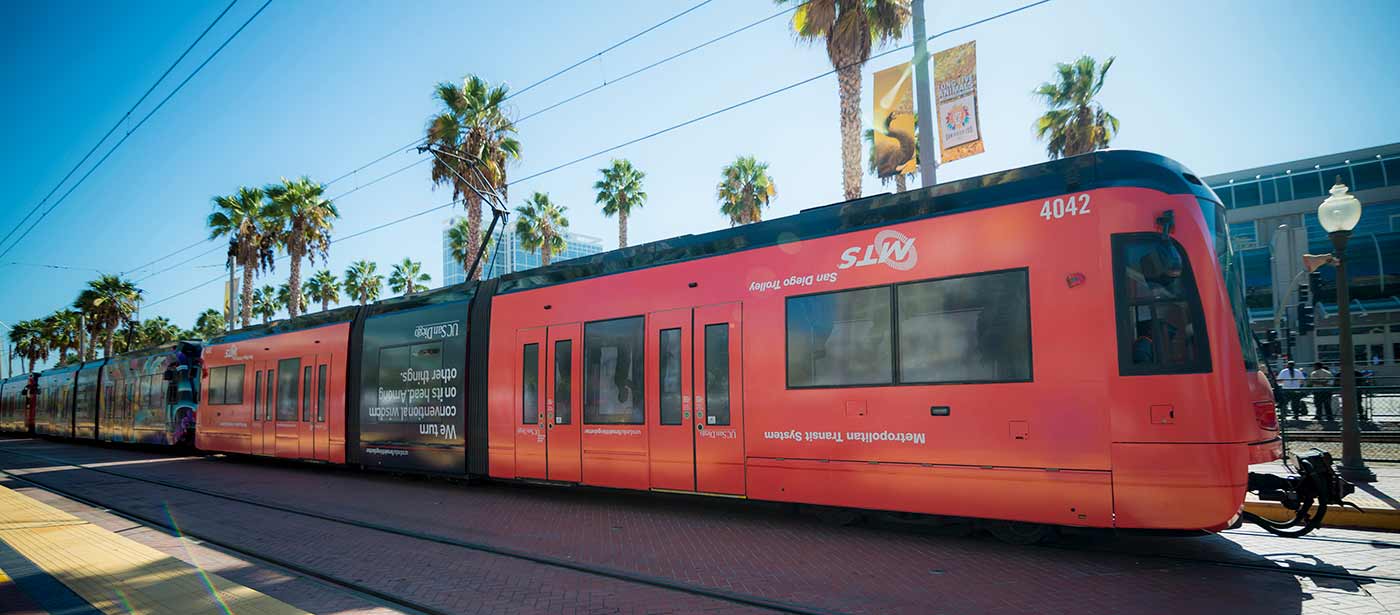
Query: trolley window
pixel 1161 326
pixel 267 403
pixel 612 372
pixel 670 385
pixel 530 385
pixel 306 393
pixel 288 370
pixel 840 338
pixel 321 374
pixel 217 378
pixel 563 381
pixel 966 329
pixel 717 374
pixel 257 393
pixel 233 385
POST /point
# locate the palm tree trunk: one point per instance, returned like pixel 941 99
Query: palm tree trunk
pixel 473 228
pixel 294 283
pixel 325 304
pixel 899 185
pixel 544 246
pixel 848 82
pixel 247 296
pixel 621 227
pixel 108 341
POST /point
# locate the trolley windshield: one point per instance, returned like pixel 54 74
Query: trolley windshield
pixel 1231 267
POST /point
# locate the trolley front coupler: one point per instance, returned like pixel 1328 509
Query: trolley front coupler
pixel 1308 494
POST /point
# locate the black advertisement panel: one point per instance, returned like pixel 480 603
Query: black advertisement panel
pixel 413 371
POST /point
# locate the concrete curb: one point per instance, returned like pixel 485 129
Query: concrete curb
pixel 1382 519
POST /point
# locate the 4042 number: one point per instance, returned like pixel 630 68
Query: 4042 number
pixel 1073 205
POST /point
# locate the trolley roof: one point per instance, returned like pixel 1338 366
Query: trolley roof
pixel 1104 169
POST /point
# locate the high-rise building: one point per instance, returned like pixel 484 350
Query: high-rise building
pixel 1272 214
pixel 510 256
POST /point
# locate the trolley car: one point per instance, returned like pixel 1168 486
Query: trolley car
pixel 1063 344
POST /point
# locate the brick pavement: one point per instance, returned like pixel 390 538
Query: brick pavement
pixel 763 550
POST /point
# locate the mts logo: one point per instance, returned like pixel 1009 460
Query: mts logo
pixel 890 247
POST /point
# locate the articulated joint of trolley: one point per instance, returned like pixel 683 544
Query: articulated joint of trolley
pixel 1308 494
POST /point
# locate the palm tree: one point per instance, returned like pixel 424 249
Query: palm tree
pixel 406 276
pixel 27 341
pixel 284 297
pixel 746 188
pixel 242 217
pixel 1075 123
pixel 362 283
pixel 618 192
pixel 305 218
pixel 539 225
pixel 265 303
pixel 209 324
pixel 898 146
pixel 476 140
pixel 108 302
pixel 849 29
pixel 324 288
pixel 156 331
pixel 62 331
pixel 460 246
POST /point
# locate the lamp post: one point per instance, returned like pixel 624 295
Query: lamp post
pixel 1338 216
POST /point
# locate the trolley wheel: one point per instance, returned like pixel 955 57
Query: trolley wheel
pixel 1020 533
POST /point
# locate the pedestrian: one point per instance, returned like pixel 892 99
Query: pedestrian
pixel 1291 379
pixel 1320 381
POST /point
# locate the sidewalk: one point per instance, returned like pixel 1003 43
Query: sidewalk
pixel 1379 501
pixel 65 564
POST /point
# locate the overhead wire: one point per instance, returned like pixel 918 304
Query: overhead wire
pixel 133 129
pixel 668 129
pixel 412 144
pixel 123 119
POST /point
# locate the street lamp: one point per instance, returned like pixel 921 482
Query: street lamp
pixel 1338 216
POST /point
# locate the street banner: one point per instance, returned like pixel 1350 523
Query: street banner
pixel 955 80
pixel 894 150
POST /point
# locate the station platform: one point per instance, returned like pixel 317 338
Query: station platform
pixel 54 562
pixel 1379 502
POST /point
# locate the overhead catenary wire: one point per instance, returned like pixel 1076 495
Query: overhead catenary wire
pixel 416 142
pixel 610 48
pixel 123 119
pixel 660 132
pixel 133 129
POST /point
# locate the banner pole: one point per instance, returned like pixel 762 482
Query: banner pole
pixel 928 174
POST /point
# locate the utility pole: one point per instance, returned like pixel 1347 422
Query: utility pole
pixel 230 304
pixel 928 174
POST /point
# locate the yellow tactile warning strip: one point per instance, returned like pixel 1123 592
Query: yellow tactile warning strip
pixel 116 574
pixel 1365 519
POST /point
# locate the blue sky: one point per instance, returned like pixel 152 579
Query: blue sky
pixel 323 87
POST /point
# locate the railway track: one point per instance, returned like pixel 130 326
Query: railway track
pixel 1384 544
pixel 602 571
pixel 1291 569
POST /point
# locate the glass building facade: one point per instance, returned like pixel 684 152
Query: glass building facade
pixel 1272 215
pixel 510 256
